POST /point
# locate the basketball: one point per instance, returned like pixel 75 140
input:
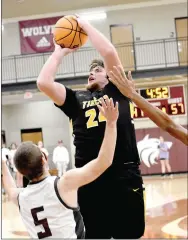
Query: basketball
pixel 68 34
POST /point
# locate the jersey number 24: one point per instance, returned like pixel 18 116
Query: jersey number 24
pixel 93 119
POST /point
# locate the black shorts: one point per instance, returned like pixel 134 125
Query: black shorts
pixel 113 207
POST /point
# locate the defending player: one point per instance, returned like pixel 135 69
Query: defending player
pixel 113 205
pixel 48 205
pixel 161 119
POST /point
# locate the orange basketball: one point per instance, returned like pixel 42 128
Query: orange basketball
pixel 68 34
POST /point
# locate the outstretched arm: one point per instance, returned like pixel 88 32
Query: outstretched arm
pixel 9 183
pixel 161 119
pixel 78 177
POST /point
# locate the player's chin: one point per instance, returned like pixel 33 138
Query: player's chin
pixel 92 86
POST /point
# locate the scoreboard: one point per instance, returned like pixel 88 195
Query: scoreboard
pixel 169 99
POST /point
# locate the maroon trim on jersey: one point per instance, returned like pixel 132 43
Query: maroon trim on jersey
pixel 59 197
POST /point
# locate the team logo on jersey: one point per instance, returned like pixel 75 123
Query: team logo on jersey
pixel 94 102
pixel 148 149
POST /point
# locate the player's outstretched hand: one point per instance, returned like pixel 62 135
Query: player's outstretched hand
pixel 108 110
pixel 124 83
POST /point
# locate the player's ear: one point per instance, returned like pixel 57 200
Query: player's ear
pixel 44 158
pixel 43 161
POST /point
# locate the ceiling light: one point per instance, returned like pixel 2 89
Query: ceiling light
pixel 94 16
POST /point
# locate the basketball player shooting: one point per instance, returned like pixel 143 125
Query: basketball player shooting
pixel 48 205
pixel 126 86
pixel 113 205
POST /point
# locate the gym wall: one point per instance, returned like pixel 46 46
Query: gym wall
pixel 149 23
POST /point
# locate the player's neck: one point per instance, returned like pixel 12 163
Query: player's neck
pixel 44 175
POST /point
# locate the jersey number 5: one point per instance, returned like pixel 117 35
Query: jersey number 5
pixel 44 222
pixel 92 122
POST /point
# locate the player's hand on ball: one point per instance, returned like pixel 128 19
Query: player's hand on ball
pixel 81 21
pixel 61 52
pixel 108 110
pixel 124 83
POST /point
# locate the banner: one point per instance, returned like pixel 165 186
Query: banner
pixel 36 35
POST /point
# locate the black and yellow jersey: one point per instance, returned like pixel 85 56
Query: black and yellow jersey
pixel 89 125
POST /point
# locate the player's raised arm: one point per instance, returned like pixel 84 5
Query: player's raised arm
pixel 101 44
pixel 161 119
pixel 78 177
pixel 9 183
pixel 46 79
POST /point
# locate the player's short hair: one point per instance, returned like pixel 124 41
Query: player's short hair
pixel 28 160
pixel 96 63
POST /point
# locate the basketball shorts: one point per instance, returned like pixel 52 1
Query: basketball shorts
pixel 114 207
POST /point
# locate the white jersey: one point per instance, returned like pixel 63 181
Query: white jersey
pixel 44 213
